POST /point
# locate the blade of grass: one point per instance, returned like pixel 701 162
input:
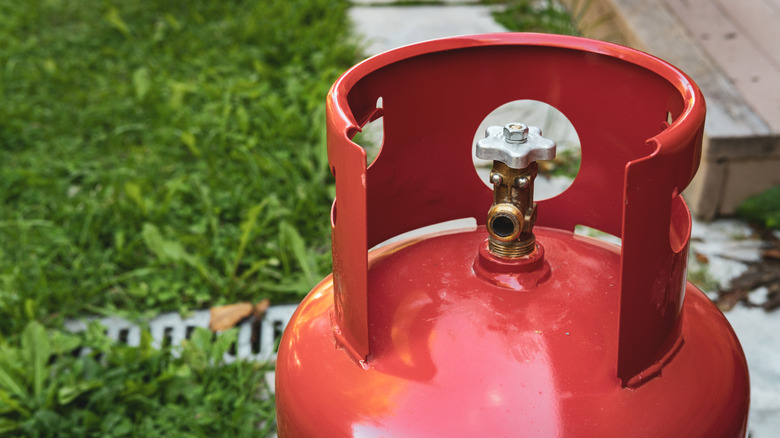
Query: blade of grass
pixel 36 350
pixel 247 226
pixel 294 243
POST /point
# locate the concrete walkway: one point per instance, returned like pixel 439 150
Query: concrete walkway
pixel 388 27
pixel 385 27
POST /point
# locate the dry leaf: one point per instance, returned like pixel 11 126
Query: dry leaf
pixel 771 254
pixel 701 258
pixel 773 297
pixel 225 317
pixel 727 301
pixel 260 308
pixel 546 166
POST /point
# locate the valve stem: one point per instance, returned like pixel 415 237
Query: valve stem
pixel 514 150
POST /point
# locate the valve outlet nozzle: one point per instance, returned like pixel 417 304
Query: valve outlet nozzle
pixel 514 149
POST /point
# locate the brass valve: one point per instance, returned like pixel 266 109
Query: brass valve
pixel 514 150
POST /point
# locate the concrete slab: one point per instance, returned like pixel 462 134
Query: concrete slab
pixel 172 328
pixel 388 27
pixel 400 3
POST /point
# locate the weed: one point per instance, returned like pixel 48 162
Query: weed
pixel 545 16
pixel 126 391
pixel 699 274
pixel 166 155
pixel 156 155
pixel 763 208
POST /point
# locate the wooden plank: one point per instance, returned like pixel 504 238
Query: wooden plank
pixel 743 62
pixel 758 21
pixel 735 131
pixel 651 26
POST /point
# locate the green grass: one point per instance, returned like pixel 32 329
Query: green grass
pixel 163 155
pixel 156 156
pixel 536 16
pixel 763 208
pixel 120 391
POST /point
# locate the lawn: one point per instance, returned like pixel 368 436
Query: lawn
pixel 160 156
pixel 163 155
pixel 155 156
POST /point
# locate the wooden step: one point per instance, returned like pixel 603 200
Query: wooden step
pixel 732 51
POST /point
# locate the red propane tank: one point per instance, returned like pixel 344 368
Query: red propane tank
pixel 518 328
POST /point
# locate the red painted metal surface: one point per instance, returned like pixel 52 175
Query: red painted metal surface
pixel 424 339
pixel 456 356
